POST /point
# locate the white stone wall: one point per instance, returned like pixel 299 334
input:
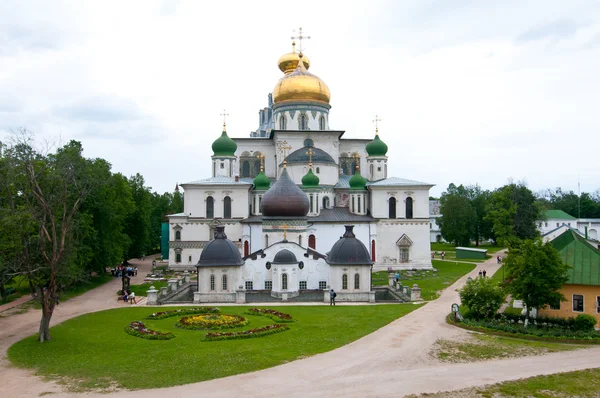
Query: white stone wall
pixel 379 204
pixel 195 200
pixel 224 166
pixel 350 146
pixel 376 168
pixel 328 234
pixel 233 279
pixel 336 273
pixel 388 252
pixel 292 121
pixel 328 173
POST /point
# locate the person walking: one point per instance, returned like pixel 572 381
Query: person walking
pixel 443 255
pixel 484 273
pixel 480 274
pixel 332 295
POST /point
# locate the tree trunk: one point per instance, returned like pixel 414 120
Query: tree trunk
pixel 48 300
pixel 3 293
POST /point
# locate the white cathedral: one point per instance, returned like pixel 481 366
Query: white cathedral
pixel 285 195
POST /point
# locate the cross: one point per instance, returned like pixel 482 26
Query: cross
pixel 284 226
pixel 261 158
pixel 224 114
pixel 310 154
pixel 284 147
pixel 300 38
pixel 376 121
pixel 356 157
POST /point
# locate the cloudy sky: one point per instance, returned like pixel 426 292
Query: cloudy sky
pixel 468 91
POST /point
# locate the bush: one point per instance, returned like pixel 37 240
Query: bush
pixel 138 329
pixel 483 297
pixel 584 323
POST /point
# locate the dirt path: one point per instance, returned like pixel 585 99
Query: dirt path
pixel 393 361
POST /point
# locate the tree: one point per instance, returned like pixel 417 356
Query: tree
pixel 535 273
pixel 458 219
pixel 579 206
pixel 480 199
pixel 137 224
pixel 483 297
pixel 513 212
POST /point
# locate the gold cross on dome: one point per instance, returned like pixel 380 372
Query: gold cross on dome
pixel 356 157
pixel 310 154
pixel 300 37
pixel 261 159
pixel 285 227
pixel 284 147
pixel 224 114
pixel 376 121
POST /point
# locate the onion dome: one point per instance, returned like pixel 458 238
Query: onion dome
pixel 357 181
pixel 284 199
pixel 349 250
pixel 310 180
pixel 301 86
pixel 224 146
pixel 377 147
pixel 220 251
pixel 262 182
pixel 288 62
pixel 285 257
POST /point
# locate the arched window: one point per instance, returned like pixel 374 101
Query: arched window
pixel 246 248
pixel 177 235
pixel 178 257
pixel 255 169
pixel 322 123
pixel 356 281
pixel 284 281
pixel 318 170
pixel 353 170
pixel 392 209
pixel 212 282
pixel 308 142
pixel 303 122
pixel 373 250
pixel 371 169
pixel 246 169
pixel 359 208
pixel 224 283
pixel 210 207
pixel 352 209
pixel 300 240
pixel 227 207
pixel 282 122
pixel 312 242
pixel 266 241
pixel 409 207
pixel 311 203
pixel 326 202
pixel 345 282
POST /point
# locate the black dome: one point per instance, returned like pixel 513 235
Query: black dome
pixel 349 250
pixel 318 156
pixel 284 199
pixel 220 251
pixel 285 257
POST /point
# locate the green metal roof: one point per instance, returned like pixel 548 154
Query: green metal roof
pixel 558 214
pixel 583 258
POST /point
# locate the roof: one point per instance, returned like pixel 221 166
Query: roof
pixel 318 156
pixel 397 182
pixel 583 258
pixel 471 249
pixel 343 181
pixel 558 215
pixel 337 214
pixel 349 251
pixel 220 181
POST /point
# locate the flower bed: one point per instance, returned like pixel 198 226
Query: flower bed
pixel 274 315
pixel 211 321
pixel 246 334
pixel 184 311
pixel 138 329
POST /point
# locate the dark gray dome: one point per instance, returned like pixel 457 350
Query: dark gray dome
pixel 349 250
pixel 300 156
pixel 220 251
pixel 284 199
pixel 285 257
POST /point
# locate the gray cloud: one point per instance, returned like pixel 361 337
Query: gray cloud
pixel 100 109
pixel 557 29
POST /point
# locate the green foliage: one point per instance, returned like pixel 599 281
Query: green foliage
pixel 535 273
pixel 482 296
pixel 272 314
pixel 512 211
pixel 91 347
pixel 579 206
pixel 137 224
pixel 584 323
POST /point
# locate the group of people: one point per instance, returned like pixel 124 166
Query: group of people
pixel 121 270
pixel 442 255
pixel 128 296
pixel 482 274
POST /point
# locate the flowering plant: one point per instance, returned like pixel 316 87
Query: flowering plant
pixel 138 329
pixel 184 311
pixel 246 334
pixel 274 315
pixel 211 321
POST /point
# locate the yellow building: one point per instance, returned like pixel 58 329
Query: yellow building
pixel 582 291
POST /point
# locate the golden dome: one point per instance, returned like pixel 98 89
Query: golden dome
pixel 301 85
pixel 288 62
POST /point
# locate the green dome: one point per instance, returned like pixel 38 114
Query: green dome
pixel 357 181
pixel 310 180
pixel 224 146
pixel 377 147
pixel 261 181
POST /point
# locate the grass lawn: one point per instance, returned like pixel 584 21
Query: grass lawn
pixel 481 347
pixel 498 275
pixel 448 273
pixel 94 349
pixel 491 249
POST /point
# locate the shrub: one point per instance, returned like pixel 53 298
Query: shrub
pixel 138 329
pixel 483 297
pixel 584 323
